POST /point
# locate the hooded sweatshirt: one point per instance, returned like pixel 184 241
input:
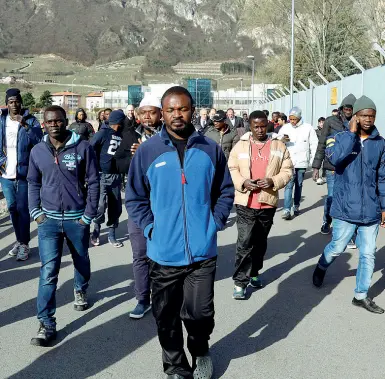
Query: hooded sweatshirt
pixel 105 143
pixel 82 127
pixel 63 184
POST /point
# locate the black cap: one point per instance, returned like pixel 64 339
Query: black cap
pixel 219 116
pixel 12 92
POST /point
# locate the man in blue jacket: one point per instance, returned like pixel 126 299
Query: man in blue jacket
pixel 105 143
pixel 19 133
pixel 358 156
pixel 63 193
pixel 180 193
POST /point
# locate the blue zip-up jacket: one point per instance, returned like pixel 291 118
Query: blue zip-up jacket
pixel 105 143
pixel 61 186
pixel 359 189
pixel 27 137
pixel 183 208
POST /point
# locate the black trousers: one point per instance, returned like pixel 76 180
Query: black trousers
pixel 183 294
pixel 253 229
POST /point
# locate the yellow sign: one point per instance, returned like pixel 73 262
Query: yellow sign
pixel 334 96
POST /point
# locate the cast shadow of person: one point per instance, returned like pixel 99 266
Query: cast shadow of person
pixel 277 318
pixel 100 280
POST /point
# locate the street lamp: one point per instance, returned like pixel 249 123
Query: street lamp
pixel 252 78
pixel 292 54
pixel 72 92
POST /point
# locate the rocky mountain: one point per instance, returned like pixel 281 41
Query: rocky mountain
pixel 166 31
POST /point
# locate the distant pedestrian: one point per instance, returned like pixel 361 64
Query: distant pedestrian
pixel 105 143
pixel 270 125
pixel 301 141
pixel 150 115
pixel 358 156
pixel 233 121
pixel 246 123
pixel 107 113
pixel 222 134
pixel 129 121
pixel 179 192
pixel 63 193
pixel 335 112
pixel 100 117
pixel 282 120
pixel 331 126
pixel 19 133
pixel 259 168
pixel 321 122
pixel 81 126
pixel 202 123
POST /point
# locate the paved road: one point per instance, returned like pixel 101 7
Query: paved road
pixel 287 330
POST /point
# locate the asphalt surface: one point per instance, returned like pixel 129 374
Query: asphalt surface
pixel 289 329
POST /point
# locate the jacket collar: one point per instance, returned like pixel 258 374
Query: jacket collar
pixel 375 133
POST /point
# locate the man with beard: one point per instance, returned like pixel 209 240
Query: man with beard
pixel 358 157
pixel 19 133
pixel 331 126
pixel 81 126
pixel 150 115
pixel 180 193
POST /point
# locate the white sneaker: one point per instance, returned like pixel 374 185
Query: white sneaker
pixel 13 252
pixel 23 253
pixel 320 181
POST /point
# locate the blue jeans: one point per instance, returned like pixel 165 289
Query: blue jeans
pixel 366 243
pixel 330 179
pixel 297 181
pixel 16 194
pixel 51 234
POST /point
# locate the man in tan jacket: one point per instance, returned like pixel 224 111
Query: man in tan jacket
pixel 259 167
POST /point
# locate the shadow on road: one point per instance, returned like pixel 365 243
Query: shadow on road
pixel 277 318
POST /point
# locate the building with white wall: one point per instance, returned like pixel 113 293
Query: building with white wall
pixel 66 100
pixel 95 100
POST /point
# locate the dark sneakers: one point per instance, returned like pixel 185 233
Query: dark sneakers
pixel 368 304
pixel 325 229
pixel 45 334
pixel 318 276
pixel 140 310
pixel 256 282
pixel 177 376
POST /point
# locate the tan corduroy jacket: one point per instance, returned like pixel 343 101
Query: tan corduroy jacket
pixel 279 169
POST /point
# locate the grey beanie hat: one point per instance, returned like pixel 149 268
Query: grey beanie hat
pixel 363 103
pixel 348 101
pixel 296 111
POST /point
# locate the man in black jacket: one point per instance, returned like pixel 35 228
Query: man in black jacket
pixel 149 115
pixel 332 126
pixel 232 120
pixel 81 126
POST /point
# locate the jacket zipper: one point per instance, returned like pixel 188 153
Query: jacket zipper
pixel 362 184
pixel 184 182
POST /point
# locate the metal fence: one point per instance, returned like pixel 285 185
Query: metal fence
pixel 321 100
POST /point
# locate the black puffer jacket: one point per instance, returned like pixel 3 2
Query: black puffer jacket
pixel 332 126
pixel 82 127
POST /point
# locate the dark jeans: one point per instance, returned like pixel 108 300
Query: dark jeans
pixel 51 234
pixel 110 199
pixel 16 194
pixel 253 229
pixel 140 262
pixel 296 182
pixel 330 179
pixel 183 294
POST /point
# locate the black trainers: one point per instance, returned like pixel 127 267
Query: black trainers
pixel 368 304
pixel 318 276
pixel 81 302
pixel 177 376
pixel 325 229
pixel 45 334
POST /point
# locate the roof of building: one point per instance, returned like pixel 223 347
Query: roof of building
pixel 95 94
pixel 65 94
